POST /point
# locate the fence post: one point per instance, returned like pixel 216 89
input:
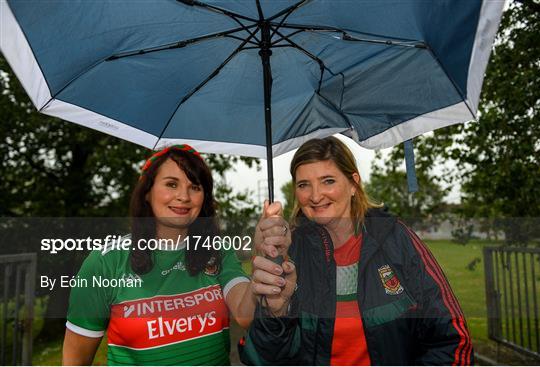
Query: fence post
pixel 29 298
pixel 19 271
pixel 502 316
pixel 491 296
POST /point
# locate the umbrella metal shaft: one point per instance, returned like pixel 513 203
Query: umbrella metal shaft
pixel 265 52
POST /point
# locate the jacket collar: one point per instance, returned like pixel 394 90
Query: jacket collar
pixel 378 225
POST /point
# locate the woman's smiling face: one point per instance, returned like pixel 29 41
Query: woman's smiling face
pixel 323 191
pixel 175 200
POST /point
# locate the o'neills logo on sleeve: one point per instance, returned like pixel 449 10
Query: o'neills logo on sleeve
pixel 162 320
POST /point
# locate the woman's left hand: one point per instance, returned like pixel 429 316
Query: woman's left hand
pixel 276 282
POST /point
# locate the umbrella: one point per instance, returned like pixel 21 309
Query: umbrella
pixel 254 78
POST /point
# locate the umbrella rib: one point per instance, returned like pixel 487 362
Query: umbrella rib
pixel 155 49
pixel 339 111
pixel 347 37
pixel 342 90
pixel 216 9
pixel 292 9
pixel 258 47
pixel 259 10
pixel 179 44
pixel 246 28
pixel 322 66
pixel 288 10
pixel 243 39
pixel 203 83
pixel 419 44
pixel 275 43
pixel 234 16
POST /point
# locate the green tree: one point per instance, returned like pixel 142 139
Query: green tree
pixel 288 191
pixel 53 168
pixel 498 156
pixel 388 184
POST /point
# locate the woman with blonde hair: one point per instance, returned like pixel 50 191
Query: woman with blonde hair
pixel 368 291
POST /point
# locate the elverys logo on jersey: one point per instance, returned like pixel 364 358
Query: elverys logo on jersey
pixel 163 320
pixel 391 283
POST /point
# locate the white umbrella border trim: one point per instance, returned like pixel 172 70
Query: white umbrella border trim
pixel 25 67
pixel 451 115
pixel 249 150
pixel 93 120
pixel 18 53
pixel 488 24
pixel 21 59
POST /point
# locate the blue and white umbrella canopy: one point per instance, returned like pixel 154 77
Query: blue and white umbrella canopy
pixel 161 71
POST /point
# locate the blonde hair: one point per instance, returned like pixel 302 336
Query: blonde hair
pixel 331 148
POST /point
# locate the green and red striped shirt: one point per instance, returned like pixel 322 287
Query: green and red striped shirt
pixel 171 318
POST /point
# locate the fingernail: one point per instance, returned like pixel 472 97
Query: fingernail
pixel 278 270
pixel 290 266
pixel 276 290
pixel 281 281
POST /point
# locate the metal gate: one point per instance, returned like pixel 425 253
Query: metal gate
pixel 512 288
pixel 17 279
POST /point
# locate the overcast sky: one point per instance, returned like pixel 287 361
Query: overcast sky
pixel 245 178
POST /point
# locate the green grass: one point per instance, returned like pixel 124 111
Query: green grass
pixel 469 288
pixel 39 307
pixel 468 285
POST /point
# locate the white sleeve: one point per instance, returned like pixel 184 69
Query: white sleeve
pixel 230 285
pixel 84 332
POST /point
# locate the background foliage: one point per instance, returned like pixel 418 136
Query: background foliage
pixel 494 160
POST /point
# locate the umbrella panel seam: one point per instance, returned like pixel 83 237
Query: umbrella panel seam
pixel 204 82
pixel 321 63
pixel 458 90
pixel 136 53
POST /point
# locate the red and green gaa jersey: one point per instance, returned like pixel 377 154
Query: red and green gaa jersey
pixel 349 346
pixel 164 317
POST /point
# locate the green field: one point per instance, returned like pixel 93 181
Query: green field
pixel 468 285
